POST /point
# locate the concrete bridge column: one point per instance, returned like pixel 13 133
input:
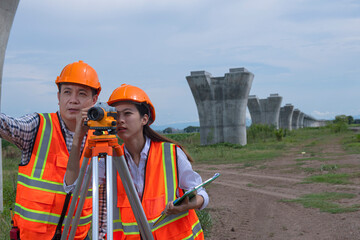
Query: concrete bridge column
pixel 236 92
pixel 7 13
pixel 270 108
pixel 286 113
pixel 301 120
pixel 295 119
pixel 307 121
pixel 200 85
pixel 254 109
pixel 221 104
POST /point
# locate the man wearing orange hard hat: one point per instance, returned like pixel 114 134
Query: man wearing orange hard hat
pixel 45 140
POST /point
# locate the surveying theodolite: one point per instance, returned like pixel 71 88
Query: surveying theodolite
pixel 102 145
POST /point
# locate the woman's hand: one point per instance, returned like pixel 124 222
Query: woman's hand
pixel 194 203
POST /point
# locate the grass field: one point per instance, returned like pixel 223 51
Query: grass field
pixel 263 145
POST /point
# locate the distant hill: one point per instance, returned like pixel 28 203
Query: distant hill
pixel 175 125
pixel 181 126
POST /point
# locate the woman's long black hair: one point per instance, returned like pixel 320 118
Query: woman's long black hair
pixel 153 135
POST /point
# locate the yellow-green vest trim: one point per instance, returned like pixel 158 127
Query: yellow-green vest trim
pixel 40 194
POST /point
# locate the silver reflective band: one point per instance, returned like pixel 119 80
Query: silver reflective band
pixel 44 146
pixel 56 187
pixel 169 171
pixel 48 218
pixel 42 217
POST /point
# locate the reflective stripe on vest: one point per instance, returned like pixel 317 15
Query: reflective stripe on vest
pixel 170 189
pixel 169 171
pixel 44 185
pixel 44 146
pixel 41 195
pixel 171 184
pixel 45 217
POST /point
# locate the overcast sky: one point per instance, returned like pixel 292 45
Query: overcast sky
pixel 307 51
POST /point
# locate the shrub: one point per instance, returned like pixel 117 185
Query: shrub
pixel 262 132
pixel 279 134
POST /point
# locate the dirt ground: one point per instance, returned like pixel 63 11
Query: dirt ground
pixel 244 202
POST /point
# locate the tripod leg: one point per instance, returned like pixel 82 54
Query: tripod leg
pixel 136 210
pixel 109 197
pixel 95 199
pixel 74 199
pixel 131 193
pixel 83 194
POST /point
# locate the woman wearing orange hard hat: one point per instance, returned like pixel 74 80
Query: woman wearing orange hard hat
pixel 161 170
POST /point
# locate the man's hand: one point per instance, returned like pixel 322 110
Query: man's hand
pixel 81 129
pixel 73 165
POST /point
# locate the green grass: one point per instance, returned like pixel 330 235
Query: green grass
pixel 262 148
pixel 309 159
pixel 332 178
pixel 10 167
pixel 309 169
pixel 206 221
pixel 351 143
pixel 329 167
pixel 325 202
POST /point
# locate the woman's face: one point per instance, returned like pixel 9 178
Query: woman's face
pixel 129 122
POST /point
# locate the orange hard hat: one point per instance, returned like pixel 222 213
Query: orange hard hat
pixel 131 93
pixel 80 73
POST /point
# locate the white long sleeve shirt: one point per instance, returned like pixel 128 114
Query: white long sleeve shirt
pixel 188 178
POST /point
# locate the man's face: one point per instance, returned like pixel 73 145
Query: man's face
pixel 72 98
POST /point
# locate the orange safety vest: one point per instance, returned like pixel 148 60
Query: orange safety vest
pixel 161 183
pixel 40 193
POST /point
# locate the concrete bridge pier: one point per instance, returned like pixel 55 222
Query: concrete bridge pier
pixel 301 120
pixel 221 104
pixel 308 121
pixel 200 85
pixel 295 119
pixel 265 111
pixel 236 92
pixel 286 113
pixel 7 13
pixel 271 109
pixel 254 109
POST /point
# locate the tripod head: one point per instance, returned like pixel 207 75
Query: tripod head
pixel 102 118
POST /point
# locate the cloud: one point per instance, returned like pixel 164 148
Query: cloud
pixel 321 115
pixel 98 9
pixel 15 72
pixel 292 47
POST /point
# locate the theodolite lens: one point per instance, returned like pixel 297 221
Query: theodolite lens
pixel 96 113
